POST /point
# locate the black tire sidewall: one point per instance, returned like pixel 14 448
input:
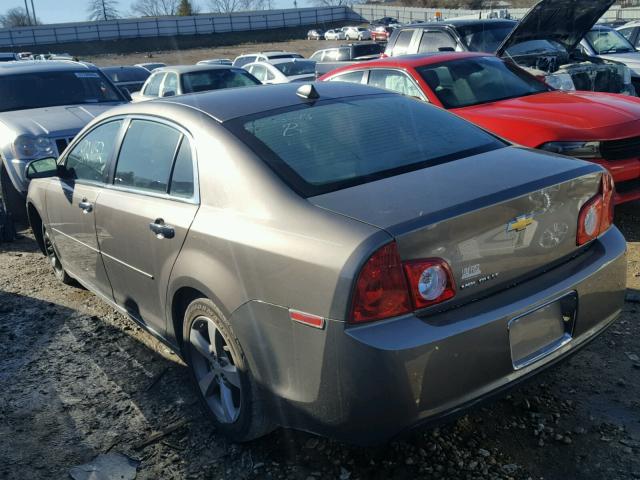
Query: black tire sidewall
pixel 239 429
pixel 12 200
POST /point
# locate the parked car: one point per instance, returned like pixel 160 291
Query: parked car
pixel 283 70
pixel 357 33
pixel 25 56
pixel 151 66
pixel 334 35
pixel 42 107
pixel 215 61
pixel 127 77
pixel 504 99
pixel 181 79
pixel 246 200
pixel 631 31
pixel 329 59
pixel 381 33
pixel 609 44
pixel 242 60
pixel 386 21
pixel 539 43
pixel 315 34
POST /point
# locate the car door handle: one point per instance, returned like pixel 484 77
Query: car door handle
pixel 85 206
pixel 161 229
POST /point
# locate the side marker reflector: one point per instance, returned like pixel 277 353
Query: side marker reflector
pixel 306 318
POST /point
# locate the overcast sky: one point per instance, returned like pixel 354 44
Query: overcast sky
pixel 58 11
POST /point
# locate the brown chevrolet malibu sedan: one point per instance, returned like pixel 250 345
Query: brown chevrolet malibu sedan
pixel 320 269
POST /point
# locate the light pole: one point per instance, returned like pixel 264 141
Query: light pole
pixel 33 13
pixel 26 9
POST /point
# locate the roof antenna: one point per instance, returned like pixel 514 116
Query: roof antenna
pixel 308 92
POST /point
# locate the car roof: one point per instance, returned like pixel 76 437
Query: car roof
pixel 181 69
pixel 34 66
pixel 231 103
pixel 268 52
pixel 113 68
pixel 463 22
pixel 276 61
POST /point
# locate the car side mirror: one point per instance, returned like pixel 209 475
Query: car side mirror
pixel 43 168
pixel 168 93
pixel 127 94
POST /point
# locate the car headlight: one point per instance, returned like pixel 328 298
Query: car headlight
pixel 29 146
pixel 560 81
pixel 574 149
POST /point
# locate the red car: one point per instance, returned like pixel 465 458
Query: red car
pixel 600 127
pixel 381 33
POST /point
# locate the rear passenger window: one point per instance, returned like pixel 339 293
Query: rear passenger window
pixel 402 42
pixel 434 41
pixel 395 81
pixel 182 177
pixel 351 77
pixel 153 87
pixel 146 156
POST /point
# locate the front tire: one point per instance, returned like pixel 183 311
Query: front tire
pixel 54 260
pixel 12 200
pixel 220 373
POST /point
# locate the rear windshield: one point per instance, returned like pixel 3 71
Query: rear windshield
pixel 126 74
pixel 472 81
pixel 49 89
pixel 337 144
pixel 290 69
pixel 284 55
pixel 484 37
pixel 216 79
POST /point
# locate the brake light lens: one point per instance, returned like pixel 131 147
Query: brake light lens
pixel 430 282
pixel 596 216
pixel 387 287
pixel 381 289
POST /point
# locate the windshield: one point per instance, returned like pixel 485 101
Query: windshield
pixel 290 69
pixel 483 37
pixel 336 144
pixel 608 41
pixel 50 89
pixel 472 81
pixel 531 47
pixel 216 79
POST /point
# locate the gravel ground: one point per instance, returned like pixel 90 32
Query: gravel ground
pixel 78 379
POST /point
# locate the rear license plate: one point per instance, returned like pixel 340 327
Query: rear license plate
pixel 542 331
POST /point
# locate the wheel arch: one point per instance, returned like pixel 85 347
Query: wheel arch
pixel 35 221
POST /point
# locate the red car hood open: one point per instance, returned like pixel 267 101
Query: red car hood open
pixel 556 116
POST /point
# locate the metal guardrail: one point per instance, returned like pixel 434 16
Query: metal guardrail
pixel 173 26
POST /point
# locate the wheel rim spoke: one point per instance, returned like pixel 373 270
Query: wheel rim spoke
pixel 200 343
pixel 231 375
pixel 211 328
pixel 206 382
pixel 226 401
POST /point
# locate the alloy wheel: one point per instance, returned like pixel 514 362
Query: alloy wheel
pixel 51 253
pixel 217 376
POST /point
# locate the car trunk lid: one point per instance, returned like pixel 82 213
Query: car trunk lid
pixel 496 218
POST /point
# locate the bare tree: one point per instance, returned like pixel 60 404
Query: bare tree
pixel 17 17
pixel 228 6
pixel 103 10
pixel 335 3
pixel 155 8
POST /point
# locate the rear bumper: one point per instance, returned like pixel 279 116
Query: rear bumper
pixel 370 383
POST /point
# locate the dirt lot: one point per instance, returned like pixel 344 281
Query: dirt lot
pixel 78 379
pixel 186 57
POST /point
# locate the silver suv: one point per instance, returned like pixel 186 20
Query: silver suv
pixel 42 107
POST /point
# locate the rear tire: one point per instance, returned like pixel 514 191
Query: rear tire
pixel 221 376
pixel 53 258
pixel 12 200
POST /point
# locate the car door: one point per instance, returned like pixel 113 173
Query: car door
pixel 71 204
pixel 143 216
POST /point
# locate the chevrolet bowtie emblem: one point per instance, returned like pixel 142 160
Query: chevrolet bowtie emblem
pixel 519 223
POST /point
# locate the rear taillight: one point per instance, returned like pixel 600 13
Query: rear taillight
pixel 430 282
pixel 381 289
pixel 387 287
pixel 596 216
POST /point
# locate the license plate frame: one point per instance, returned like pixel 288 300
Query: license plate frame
pixel 541 331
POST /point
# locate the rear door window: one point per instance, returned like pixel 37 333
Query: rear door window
pixel 433 41
pixel 153 87
pixel 395 81
pixel 182 180
pixel 402 42
pixel 146 156
pixel 352 77
pixel 170 84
